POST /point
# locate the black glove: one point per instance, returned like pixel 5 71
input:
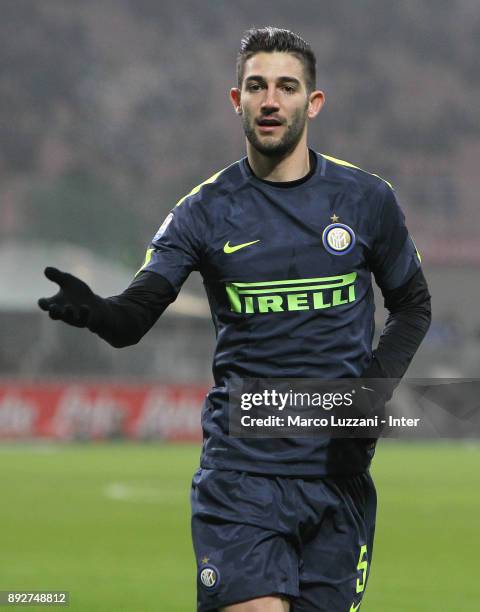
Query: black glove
pixel 372 392
pixel 374 379
pixel 75 303
pixel 368 400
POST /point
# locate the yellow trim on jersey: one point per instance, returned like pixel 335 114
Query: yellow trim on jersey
pixel 196 189
pixel 342 162
pixel 148 257
pixel 416 250
pixel 212 179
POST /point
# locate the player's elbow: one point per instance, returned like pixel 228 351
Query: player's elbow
pixel 428 314
pixel 424 313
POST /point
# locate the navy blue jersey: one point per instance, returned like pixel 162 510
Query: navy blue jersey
pixel 287 272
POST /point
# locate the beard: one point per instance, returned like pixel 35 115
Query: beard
pixel 269 146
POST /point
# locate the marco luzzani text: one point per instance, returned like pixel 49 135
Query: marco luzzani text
pixel 327 402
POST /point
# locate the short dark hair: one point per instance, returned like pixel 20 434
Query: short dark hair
pixel 269 39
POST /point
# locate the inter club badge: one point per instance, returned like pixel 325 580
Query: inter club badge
pixel 338 238
pixel 209 576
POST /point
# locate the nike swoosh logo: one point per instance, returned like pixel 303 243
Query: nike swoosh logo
pixel 231 249
pixel 354 608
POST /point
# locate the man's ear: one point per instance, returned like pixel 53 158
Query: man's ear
pixel 315 102
pixel 235 99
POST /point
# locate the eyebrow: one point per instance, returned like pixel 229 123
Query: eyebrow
pixel 281 79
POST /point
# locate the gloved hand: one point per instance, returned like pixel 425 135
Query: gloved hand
pixel 371 395
pixel 75 303
pixel 369 401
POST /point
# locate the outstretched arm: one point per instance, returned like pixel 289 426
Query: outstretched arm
pixel 121 320
pixel 175 251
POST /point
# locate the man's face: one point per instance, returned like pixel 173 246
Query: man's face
pixel 274 102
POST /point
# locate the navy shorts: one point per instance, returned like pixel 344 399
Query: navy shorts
pixel 309 540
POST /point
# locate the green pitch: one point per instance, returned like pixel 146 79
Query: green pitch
pixel 110 524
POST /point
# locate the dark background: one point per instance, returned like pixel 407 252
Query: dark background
pixel 112 110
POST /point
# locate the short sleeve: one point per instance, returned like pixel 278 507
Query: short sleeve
pixel 176 249
pixel 394 258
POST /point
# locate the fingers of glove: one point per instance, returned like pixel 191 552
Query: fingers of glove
pixel 73 316
pixel 44 303
pixel 69 315
pixel 56 311
pixel 59 299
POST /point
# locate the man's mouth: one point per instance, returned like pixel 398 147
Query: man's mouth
pixel 268 121
pixel 268 124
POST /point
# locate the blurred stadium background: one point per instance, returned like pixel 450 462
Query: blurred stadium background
pixel 112 110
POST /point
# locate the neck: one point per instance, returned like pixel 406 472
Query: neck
pixel 295 165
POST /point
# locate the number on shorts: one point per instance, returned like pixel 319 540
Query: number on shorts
pixel 362 567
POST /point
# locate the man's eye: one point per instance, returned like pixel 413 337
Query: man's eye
pixel 288 88
pixel 253 87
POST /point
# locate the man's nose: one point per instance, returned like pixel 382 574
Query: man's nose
pixel 270 102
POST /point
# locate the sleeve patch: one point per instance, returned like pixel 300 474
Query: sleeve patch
pixel 163 227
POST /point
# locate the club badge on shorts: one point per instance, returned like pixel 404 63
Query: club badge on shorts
pixel 338 238
pixel 209 576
